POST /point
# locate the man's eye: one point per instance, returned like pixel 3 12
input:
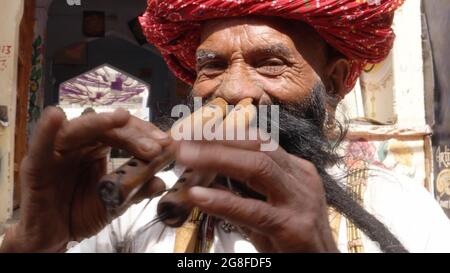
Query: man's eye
pixel 212 69
pixel 271 67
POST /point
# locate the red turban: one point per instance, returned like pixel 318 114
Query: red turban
pixel 359 29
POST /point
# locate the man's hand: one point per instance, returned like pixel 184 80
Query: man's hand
pixel 59 176
pixel 295 216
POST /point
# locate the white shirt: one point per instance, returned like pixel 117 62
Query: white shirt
pixel 406 208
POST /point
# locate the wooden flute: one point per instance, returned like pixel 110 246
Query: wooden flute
pixel 117 188
pixel 174 207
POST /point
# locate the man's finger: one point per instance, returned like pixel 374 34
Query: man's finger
pixel 142 139
pixel 88 128
pixel 95 152
pixel 279 155
pixel 41 146
pixel 256 169
pixel 236 130
pixel 253 214
pixel 255 139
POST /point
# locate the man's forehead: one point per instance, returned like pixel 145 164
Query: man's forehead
pixel 271 34
pixel 261 32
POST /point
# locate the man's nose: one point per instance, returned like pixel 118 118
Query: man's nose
pixel 238 84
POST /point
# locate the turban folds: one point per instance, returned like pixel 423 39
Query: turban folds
pixel 359 29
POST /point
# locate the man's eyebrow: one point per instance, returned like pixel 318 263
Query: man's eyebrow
pixel 275 49
pixel 205 54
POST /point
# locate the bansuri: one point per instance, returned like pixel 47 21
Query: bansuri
pixel 118 187
pixel 174 207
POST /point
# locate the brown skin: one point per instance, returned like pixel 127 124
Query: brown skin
pixel 237 58
pixel 264 58
pixel 60 174
pixel 258 58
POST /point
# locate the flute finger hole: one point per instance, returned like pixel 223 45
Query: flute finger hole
pixel 121 172
pixel 133 164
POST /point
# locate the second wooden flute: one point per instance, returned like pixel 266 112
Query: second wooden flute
pixel 174 208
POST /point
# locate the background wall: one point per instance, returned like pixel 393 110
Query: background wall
pixel 387 107
pixel 118 48
pixel 10 17
pixel 437 20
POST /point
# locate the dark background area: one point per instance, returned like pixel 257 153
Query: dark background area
pixel 437 13
pixel 118 47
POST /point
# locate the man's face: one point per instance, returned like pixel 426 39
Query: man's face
pixel 261 58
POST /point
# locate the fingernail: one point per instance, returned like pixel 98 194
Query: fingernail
pixel 200 195
pixel 189 151
pixel 160 135
pixel 146 144
pixel 59 109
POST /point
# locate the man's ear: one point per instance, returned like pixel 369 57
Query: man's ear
pixel 337 72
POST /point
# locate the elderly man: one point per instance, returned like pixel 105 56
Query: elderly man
pixel 301 55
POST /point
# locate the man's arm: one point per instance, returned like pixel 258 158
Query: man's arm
pixel 60 173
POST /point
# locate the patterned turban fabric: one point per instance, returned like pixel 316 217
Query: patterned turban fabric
pixel 359 29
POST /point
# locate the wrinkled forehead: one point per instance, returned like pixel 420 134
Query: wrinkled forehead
pixel 267 32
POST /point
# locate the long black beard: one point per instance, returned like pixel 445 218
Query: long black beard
pixel 303 132
pixel 302 129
